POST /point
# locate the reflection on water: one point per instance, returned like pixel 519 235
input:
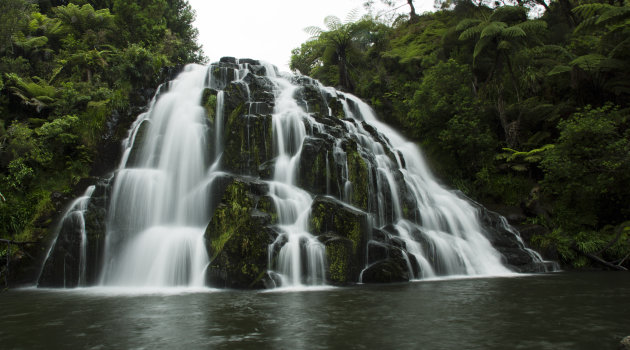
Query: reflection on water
pixel 558 311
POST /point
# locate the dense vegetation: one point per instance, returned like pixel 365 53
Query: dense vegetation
pixel 527 114
pixel 72 77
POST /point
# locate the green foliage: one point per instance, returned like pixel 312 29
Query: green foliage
pixel 588 170
pixel 65 69
pixel 505 104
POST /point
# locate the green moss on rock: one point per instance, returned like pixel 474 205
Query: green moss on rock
pixel 209 102
pixel 238 236
pixel 344 231
pixel 358 174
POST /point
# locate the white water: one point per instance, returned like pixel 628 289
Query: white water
pixel 296 266
pixel 449 225
pixel 160 201
pixel 74 217
pixel 156 222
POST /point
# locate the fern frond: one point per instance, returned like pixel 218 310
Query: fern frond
pixel 481 44
pixel 470 33
pixel 504 13
pixel 586 24
pixel 504 45
pixel 467 23
pixel 588 62
pixel 493 29
pixel 332 22
pixel 352 15
pixel 313 31
pixel 590 10
pixel 613 14
pixel 513 32
pixel 532 26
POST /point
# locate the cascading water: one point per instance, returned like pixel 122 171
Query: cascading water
pixel 157 216
pixel 292 203
pixel 73 222
pixel 447 224
pixel 351 199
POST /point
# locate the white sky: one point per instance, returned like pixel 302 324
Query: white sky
pixel 268 29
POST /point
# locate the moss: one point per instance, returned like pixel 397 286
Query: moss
pixel 336 108
pixel 209 101
pixel 358 174
pixel 339 261
pixel 239 234
pixel 248 142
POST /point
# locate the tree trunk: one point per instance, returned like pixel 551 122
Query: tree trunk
pixel 413 16
pixel 509 128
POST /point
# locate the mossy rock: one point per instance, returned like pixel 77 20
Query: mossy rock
pixel 385 271
pixel 238 236
pixel 316 172
pixel 342 265
pixel 209 103
pixel 134 159
pixel 248 143
pixel 358 174
pixel 345 229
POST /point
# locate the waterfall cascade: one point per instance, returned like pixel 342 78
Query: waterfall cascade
pixel 239 176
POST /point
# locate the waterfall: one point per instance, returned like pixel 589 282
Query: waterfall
pixel 156 218
pixel 72 223
pixel 292 203
pixel 333 195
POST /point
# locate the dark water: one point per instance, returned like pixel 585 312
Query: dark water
pixel 557 311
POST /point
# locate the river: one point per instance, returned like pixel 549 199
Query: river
pixel 553 311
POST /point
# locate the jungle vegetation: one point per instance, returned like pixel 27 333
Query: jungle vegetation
pixel 73 76
pixel 522 106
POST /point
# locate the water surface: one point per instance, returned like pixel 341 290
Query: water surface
pixel 554 311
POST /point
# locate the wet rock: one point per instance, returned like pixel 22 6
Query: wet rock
pixel 136 150
pixel 316 170
pixel 345 230
pixel 386 271
pixel 248 143
pixel 238 236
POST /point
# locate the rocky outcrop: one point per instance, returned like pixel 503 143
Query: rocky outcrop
pixel 341 228
pixel 239 235
pixel 356 179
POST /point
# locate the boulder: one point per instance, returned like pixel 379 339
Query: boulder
pixel 343 230
pixel 239 234
pixel 316 172
pixel 248 143
pixel 624 344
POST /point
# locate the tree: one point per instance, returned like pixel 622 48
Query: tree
pixel 498 37
pixel 338 40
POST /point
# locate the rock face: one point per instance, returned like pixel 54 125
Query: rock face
pixel 65 267
pixel 239 234
pixel 369 202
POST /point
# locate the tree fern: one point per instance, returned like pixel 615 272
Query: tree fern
pixel 493 29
